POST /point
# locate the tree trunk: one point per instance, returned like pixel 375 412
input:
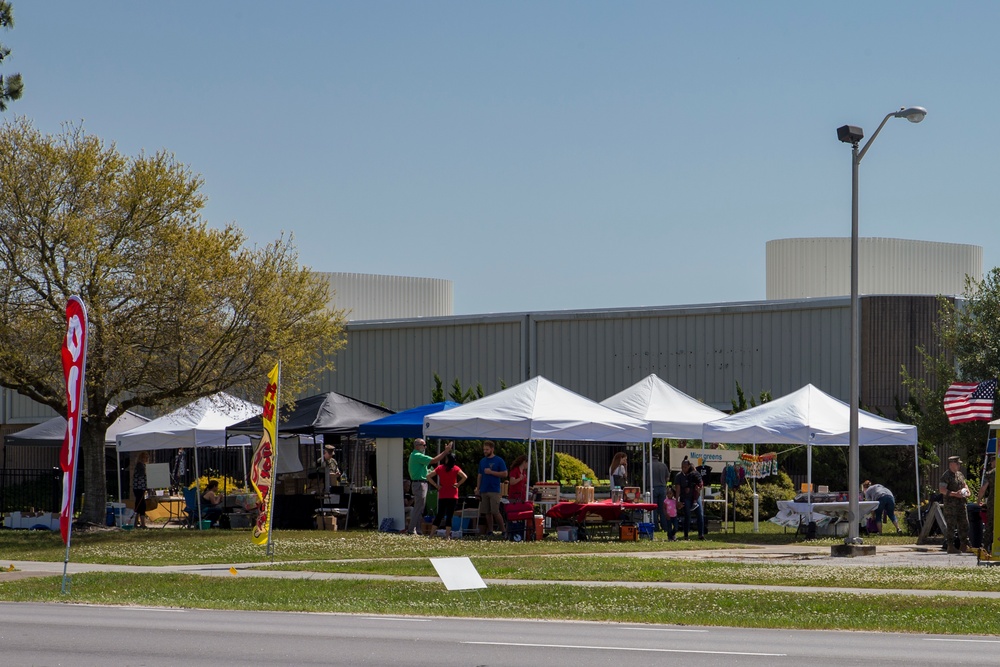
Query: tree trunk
pixel 95 486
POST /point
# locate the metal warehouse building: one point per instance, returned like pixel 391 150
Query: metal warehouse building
pixel 704 350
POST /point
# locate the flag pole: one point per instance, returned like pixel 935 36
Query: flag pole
pixel 270 513
pixel 74 360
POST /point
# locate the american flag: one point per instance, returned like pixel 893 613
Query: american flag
pixel 970 401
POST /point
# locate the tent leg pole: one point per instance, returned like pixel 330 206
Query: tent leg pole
pixel 756 498
pixel 197 487
pixel 916 472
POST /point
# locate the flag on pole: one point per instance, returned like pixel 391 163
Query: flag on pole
pixel 970 401
pixel 74 359
pixel 265 460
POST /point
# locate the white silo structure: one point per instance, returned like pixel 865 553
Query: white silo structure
pixel 366 296
pixel 820 267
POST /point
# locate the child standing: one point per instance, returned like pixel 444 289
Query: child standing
pixel 670 505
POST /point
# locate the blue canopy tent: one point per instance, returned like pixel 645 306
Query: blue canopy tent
pixel 389 433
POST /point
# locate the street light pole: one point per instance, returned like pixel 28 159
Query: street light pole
pixel 853 135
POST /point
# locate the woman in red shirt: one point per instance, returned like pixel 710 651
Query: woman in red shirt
pixel 446 478
pixel 517 491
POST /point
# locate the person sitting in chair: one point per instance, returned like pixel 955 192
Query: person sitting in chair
pixel 211 502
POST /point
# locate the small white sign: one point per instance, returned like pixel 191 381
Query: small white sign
pixel 458 574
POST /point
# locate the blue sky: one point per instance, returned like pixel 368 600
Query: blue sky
pixel 541 155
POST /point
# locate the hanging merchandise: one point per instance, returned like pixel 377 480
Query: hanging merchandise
pixel 758 467
pixel 732 475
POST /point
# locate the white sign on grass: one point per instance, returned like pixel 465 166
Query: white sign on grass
pixel 458 574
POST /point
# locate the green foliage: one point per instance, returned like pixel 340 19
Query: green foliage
pixel 770 492
pixel 569 467
pixel 11 86
pixel 178 309
pixel 968 350
pixel 740 402
pixel 458 393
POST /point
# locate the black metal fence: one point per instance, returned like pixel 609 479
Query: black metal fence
pixel 25 490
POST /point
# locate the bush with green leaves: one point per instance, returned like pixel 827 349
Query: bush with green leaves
pixel 571 468
pixel 770 492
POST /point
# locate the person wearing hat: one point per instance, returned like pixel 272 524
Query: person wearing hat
pixel 327 466
pixel 956 496
pixel 986 498
pixel 417 466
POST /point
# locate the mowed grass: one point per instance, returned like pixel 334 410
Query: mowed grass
pixel 193 547
pixel 650 570
pixel 750 609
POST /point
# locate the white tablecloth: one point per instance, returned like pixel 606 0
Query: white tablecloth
pixel 791 513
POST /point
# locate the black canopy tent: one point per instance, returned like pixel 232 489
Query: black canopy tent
pixel 333 416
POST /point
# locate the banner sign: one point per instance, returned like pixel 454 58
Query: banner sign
pixel 265 461
pixel 74 359
pixel 716 458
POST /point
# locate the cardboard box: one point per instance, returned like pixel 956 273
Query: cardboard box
pixel 547 492
pixel 326 522
pixel 628 533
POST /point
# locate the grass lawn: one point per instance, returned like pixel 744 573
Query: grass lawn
pixel 181 547
pixel 624 568
pixel 720 608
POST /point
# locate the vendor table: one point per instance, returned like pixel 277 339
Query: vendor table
pixel 826 513
pixel 168 508
pixel 607 510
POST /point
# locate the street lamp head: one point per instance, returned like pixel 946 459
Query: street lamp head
pixel 912 114
pixel 850 134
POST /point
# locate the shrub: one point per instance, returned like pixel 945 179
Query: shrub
pixel 570 468
pixel 770 492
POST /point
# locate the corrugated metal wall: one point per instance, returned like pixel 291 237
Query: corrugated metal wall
pixel 393 363
pixel 820 267
pixel 17 409
pixel 704 351
pixel 891 330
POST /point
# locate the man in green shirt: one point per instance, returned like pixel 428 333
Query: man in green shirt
pixel 417 466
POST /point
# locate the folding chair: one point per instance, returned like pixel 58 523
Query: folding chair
pixel 517 516
pixel 191 508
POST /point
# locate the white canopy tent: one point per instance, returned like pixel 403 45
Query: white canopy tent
pixel 537 409
pixel 201 423
pixel 670 412
pixel 811 417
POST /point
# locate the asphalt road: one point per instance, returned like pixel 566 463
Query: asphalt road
pixel 80 635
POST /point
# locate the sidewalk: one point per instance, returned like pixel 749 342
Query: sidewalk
pixel 800 554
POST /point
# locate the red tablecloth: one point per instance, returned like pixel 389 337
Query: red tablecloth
pixel 606 509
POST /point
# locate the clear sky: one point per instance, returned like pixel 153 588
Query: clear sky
pixel 542 155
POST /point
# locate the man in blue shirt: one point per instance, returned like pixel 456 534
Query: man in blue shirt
pixel 492 470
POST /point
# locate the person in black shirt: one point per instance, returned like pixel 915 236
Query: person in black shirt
pixel 687 486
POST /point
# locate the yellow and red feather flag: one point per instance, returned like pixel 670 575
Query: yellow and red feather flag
pixel 265 460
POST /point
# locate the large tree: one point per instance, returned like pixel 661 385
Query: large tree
pixel 968 350
pixel 11 87
pixel 178 309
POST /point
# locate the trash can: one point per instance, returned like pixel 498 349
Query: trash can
pixel 975 525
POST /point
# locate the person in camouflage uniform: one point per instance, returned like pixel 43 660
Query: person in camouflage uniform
pixel 986 498
pixel 956 496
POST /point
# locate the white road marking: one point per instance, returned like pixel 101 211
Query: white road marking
pixel 628 648
pixel 404 620
pixel 973 641
pixel 665 630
